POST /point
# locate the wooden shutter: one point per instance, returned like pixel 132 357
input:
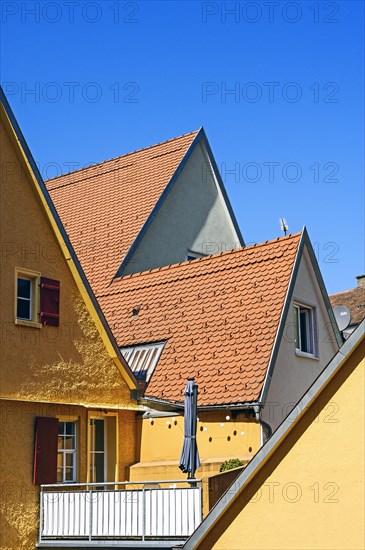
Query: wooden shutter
pixel 45 450
pixel 50 302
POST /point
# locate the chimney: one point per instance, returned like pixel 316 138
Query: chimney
pixel 360 281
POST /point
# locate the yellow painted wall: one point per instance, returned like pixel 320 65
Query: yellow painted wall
pixel 160 443
pixel 19 502
pixel 68 363
pixel 310 494
pixel 162 438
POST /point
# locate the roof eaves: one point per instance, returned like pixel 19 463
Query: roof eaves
pixel 159 203
pixel 67 249
pixel 288 424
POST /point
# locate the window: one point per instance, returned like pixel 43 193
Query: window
pixel 304 329
pixel 37 299
pixel 27 296
pixel 24 299
pixel 66 453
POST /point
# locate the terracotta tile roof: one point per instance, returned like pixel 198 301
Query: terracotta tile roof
pixel 353 299
pixel 219 315
pixel 103 207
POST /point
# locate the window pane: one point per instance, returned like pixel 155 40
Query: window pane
pixel 69 442
pixel 60 461
pixel 69 474
pixel 99 467
pixel 59 475
pixel 24 288
pixel 70 428
pixel 69 460
pixel 99 435
pixel 61 428
pixel 303 330
pixel 296 327
pixel 23 309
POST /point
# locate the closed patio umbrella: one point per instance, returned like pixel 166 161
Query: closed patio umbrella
pixel 189 459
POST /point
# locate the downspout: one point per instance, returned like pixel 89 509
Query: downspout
pixel 257 410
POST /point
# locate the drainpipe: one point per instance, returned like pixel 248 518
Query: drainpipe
pixel 257 409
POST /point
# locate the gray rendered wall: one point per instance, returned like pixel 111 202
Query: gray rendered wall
pixel 193 217
pixel 293 374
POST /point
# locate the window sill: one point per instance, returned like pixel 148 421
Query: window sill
pixel 306 355
pixel 25 323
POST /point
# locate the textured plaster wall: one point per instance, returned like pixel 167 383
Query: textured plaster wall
pixel 310 494
pixel 293 374
pixel 67 364
pixel 19 506
pixel 192 217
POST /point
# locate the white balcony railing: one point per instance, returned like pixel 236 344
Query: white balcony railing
pixel 128 510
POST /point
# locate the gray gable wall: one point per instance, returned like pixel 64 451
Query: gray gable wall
pixel 193 216
pixel 293 374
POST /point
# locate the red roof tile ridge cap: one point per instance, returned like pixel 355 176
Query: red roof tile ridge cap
pixel 346 291
pixel 183 264
pixel 241 249
pixel 121 156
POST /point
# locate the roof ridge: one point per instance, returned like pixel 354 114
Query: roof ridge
pixel 348 290
pixel 204 258
pixel 122 156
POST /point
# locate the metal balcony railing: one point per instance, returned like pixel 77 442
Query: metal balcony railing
pixel 140 510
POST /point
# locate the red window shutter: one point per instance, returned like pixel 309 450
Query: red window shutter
pixel 45 450
pixel 50 302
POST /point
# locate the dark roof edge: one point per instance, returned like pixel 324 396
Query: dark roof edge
pixel 157 206
pixel 60 227
pixel 304 242
pixel 279 435
pixel 222 187
pixel 324 292
pixel 166 404
pixel 284 313
pixel 201 136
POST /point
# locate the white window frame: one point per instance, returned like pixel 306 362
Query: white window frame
pixel 64 452
pixel 34 277
pixel 311 330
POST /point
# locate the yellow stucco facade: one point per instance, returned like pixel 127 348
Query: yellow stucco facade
pixel 309 493
pixel 160 440
pixel 69 372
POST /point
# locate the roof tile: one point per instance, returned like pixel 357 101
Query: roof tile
pixel 226 350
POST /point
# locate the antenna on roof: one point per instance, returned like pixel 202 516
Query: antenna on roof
pixel 284 225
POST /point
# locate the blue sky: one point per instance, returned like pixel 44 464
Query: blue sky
pixel 278 87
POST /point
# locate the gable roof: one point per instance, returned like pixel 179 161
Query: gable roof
pixel 64 243
pixel 104 207
pixel 218 314
pixel 277 439
pixel 354 300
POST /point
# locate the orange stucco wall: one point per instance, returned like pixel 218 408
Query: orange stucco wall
pixel 62 367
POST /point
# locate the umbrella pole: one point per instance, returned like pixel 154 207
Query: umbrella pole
pixel 195 402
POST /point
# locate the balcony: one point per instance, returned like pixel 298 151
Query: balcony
pixel 140 514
